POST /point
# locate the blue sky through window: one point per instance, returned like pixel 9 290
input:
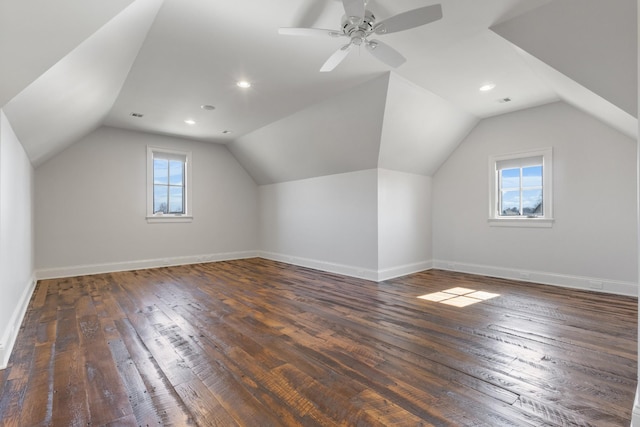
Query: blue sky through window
pixel 168 188
pixel 521 191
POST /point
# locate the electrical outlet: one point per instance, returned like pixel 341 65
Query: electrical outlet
pixel 595 284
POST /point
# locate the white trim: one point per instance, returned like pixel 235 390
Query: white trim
pixel 521 222
pixel 545 278
pixel 403 270
pixel 635 414
pixel 547 192
pixel 11 332
pixel 169 218
pixel 83 270
pixel 188 166
pixel 349 270
pixel 330 267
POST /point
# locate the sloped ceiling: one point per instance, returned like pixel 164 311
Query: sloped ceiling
pixel 70 66
pixel 341 134
pixel 582 98
pixel 387 122
pixel 593 42
pixel 420 129
pixel 73 97
pixel 61 25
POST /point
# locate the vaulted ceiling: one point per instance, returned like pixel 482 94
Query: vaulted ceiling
pixel 69 67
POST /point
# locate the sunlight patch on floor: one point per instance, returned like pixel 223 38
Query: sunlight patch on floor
pixel 459 297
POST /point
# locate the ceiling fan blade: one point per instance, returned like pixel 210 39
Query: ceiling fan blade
pixel 410 19
pixel 314 32
pixel 354 9
pixel 337 57
pixel 385 53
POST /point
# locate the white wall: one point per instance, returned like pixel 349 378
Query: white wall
pixel 635 421
pixel 91 207
pixel 374 224
pixel 404 223
pixel 328 222
pixel 593 240
pixel 16 236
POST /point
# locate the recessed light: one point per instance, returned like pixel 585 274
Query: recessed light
pixel 226 132
pixel 504 100
pixel 243 84
pixel 138 115
pixel 487 87
pixel 207 107
pixel 190 122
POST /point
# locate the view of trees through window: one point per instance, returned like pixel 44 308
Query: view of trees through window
pixel 521 191
pixel 168 186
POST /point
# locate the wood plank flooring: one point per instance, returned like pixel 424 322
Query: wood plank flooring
pixel 259 343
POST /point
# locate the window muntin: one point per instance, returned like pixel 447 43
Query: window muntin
pixel 168 184
pixel 521 189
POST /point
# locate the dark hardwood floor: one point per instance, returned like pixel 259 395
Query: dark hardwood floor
pixel 259 343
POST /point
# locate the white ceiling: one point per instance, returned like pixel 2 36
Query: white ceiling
pixel 184 66
pixel 83 65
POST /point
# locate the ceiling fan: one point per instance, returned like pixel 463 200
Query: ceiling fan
pixel 358 24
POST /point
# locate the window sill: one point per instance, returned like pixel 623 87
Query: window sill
pixel 522 222
pixel 168 218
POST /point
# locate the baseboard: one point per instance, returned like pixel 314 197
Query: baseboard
pixel 84 270
pixel 563 280
pixel 403 270
pixel 349 270
pixel 330 267
pixel 635 414
pixel 10 334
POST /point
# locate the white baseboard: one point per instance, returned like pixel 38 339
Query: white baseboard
pixel 403 270
pixel 635 414
pixel 10 334
pixel 83 270
pixel 563 280
pixel 330 267
pixel 349 270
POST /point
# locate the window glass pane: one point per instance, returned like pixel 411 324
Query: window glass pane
pixel 510 203
pixel 176 172
pixel 160 171
pixel 532 176
pixel 176 200
pixel 510 178
pixel 160 193
pixel 532 202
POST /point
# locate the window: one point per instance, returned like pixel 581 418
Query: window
pixel 168 185
pixel 521 189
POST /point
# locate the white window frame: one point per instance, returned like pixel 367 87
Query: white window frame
pixel 546 219
pixel 161 217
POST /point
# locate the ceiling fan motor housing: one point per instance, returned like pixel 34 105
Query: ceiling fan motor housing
pixel 360 29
